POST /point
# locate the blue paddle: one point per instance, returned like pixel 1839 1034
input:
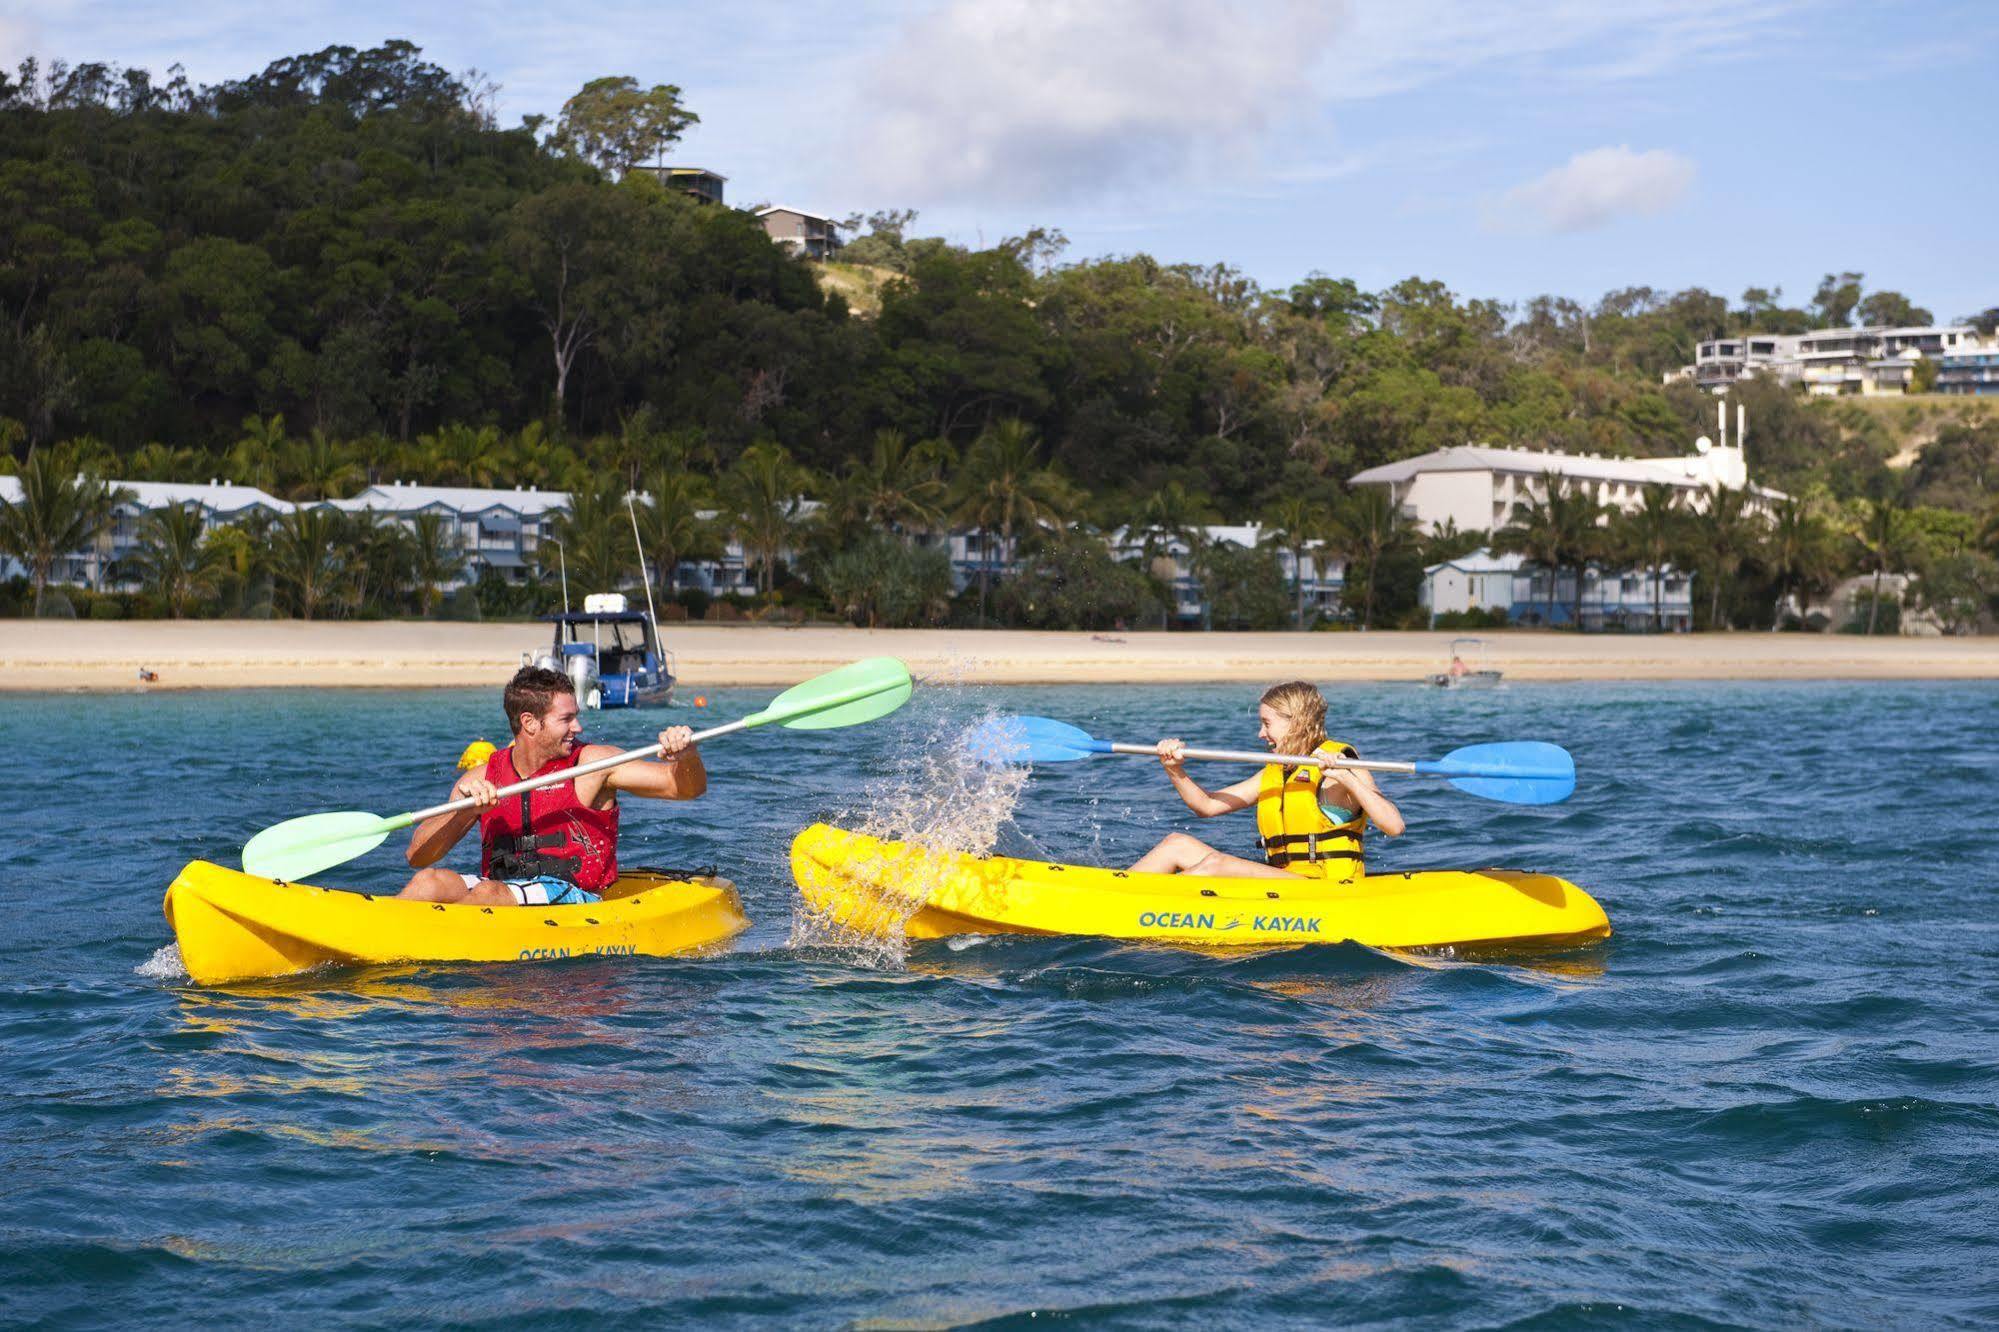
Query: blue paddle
pixel 1516 772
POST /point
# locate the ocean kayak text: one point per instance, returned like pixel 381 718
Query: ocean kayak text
pixel 1176 920
pixel 547 954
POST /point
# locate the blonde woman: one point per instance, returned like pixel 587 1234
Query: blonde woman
pixel 1309 820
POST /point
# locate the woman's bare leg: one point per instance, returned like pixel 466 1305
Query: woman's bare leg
pixel 1179 853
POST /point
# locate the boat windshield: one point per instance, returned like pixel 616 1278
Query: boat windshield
pixel 621 644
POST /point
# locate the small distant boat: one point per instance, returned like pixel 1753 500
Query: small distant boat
pixel 1468 668
pixel 611 653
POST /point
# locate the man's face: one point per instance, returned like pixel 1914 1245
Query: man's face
pixel 559 728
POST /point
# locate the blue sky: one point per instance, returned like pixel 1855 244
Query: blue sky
pixel 1508 149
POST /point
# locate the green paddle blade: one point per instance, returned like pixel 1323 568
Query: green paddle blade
pixel 299 848
pixel 855 693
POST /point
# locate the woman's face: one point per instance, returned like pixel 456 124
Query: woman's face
pixel 1270 724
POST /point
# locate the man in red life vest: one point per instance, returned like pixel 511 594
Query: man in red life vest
pixel 556 845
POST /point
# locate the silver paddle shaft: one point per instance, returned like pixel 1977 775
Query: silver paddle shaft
pixel 1289 760
pixel 571 774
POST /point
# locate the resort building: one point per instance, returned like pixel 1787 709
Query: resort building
pixel 1973 373
pixel 101 565
pixel 1474 487
pixel 1612 599
pixel 497 529
pixel 804 233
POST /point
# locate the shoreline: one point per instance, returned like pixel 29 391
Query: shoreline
pixel 105 656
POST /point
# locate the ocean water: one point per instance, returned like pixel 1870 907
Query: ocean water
pixel 1771 1099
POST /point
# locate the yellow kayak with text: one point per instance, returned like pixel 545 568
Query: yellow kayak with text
pixel 882 888
pixel 233 926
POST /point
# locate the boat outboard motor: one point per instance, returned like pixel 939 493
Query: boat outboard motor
pixel 581 668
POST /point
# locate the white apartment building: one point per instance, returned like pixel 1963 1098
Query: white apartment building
pixel 1870 362
pixel 1474 487
pixel 97 565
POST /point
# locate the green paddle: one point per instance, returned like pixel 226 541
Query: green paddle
pixel 853 694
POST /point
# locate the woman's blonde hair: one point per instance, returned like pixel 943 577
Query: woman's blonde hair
pixel 1304 708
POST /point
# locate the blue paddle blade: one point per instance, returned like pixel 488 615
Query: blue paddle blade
pixel 1031 740
pixel 1518 772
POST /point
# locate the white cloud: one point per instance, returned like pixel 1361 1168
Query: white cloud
pixel 1593 189
pixel 1024 102
pixel 19 38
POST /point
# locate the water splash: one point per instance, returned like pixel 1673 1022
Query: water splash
pixel 164 965
pixel 939 796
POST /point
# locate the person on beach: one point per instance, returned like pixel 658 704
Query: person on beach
pixel 1309 820
pixel 556 845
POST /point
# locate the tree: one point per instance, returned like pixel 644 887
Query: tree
pixel 595 534
pixel 1002 486
pixel 1556 529
pixel 1725 533
pixel 1371 527
pixel 879 580
pixel 1295 525
pixel 616 124
pixel 435 556
pixel 578 248
pixel 62 509
pixel 306 557
pixel 898 486
pixel 1836 298
pixel 672 524
pixel 1652 532
pixel 1892 309
pixel 173 561
pixel 1797 550
pixel 765 496
pixel 1171 515
pixel 1882 534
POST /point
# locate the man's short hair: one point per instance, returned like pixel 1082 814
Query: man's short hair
pixel 533 689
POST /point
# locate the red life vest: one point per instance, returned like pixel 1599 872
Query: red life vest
pixel 547 831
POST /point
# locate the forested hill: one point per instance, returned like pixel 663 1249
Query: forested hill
pixel 349 241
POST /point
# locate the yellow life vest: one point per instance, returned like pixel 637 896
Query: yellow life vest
pixel 1295 832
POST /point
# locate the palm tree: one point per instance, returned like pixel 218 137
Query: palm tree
pixel 62 509
pixel 253 459
pixel 1883 536
pixel 1725 532
pixel 306 556
pixel 463 455
pixel 158 462
pixel 594 534
pixel 1295 524
pixel 315 468
pixel 172 559
pixel 380 567
pixel 1556 529
pixel 898 486
pixel 1797 551
pixel 1002 485
pixel 1371 527
pixel 435 556
pixel 1652 532
pixel 764 493
pixel 1172 515
pixel 673 526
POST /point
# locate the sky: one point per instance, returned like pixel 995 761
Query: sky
pixel 1507 149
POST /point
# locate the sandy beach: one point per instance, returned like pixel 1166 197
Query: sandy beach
pixel 226 654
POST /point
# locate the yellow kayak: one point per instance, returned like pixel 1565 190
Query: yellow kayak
pixel 235 926
pixel 881 888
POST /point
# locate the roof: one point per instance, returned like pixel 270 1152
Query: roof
pixel 1481 561
pixel 398 498
pixel 1531 462
pixel 216 496
pixel 802 212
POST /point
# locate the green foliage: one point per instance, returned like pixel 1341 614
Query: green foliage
pixel 615 124
pixel 1071 582
pixel 1245 589
pixel 1962 588
pixel 881 582
pixel 64 506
